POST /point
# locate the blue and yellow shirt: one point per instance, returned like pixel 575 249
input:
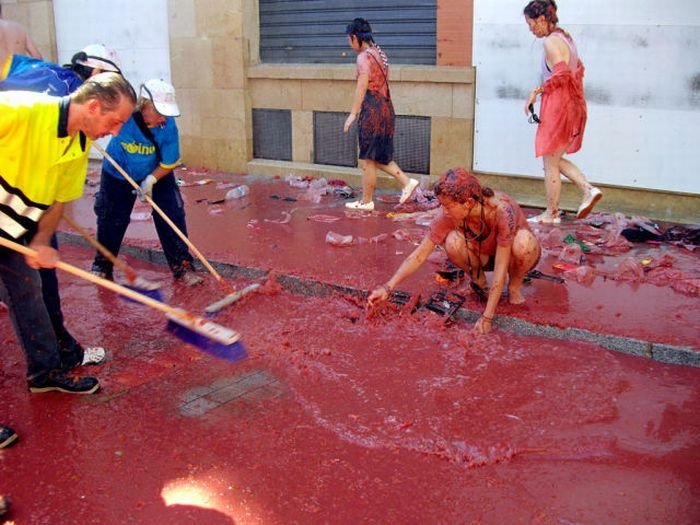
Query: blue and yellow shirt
pixel 39 162
pixel 137 155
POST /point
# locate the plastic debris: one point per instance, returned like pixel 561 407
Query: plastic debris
pixel 571 253
pixel 297 182
pixel 286 217
pixel 583 274
pixel 320 217
pixel 238 192
pixel 336 239
pixel 629 269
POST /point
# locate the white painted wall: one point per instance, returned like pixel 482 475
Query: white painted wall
pixel 136 29
pixel 642 84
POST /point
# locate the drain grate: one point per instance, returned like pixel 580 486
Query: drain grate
pixel 272 134
pixel 241 391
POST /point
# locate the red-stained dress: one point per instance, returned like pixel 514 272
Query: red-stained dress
pixel 376 121
pixel 563 108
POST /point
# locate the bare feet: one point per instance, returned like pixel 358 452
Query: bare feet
pixel 515 297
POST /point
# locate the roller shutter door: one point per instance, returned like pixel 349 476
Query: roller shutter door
pixel 313 31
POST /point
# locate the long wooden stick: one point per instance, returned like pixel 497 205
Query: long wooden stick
pixel 116 261
pixel 131 275
pixel 226 286
pixel 206 328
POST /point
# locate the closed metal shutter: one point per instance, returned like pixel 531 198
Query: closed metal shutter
pixel 313 31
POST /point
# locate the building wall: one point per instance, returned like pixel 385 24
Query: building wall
pixel 445 93
pixel 454 28
pixel 209 46
pixel 37 17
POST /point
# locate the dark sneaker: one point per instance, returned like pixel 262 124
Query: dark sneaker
pixel 62 382
pixel 7 436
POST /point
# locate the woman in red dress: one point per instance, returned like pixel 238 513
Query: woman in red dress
pixel 562 117
pixel 376 116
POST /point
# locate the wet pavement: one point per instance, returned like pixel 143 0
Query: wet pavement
pixel 340 415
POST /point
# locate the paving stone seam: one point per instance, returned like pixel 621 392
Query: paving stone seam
pixel 664 353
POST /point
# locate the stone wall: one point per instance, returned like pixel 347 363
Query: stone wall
pixel 37 17
pixel 209 57
pixel 445 94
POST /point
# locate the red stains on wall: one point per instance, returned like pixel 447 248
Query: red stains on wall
pixel 455 23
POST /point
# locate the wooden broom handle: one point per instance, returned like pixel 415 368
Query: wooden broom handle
pixel 160 212
pixel 101 248
pixel 122 290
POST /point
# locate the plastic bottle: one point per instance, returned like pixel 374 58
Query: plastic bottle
pixel 238 192
pixel 336 239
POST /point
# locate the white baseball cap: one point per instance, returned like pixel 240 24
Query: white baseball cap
pixel 162 95
pixel 99 57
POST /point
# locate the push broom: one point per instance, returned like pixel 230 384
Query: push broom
pixel 213 338
pixel 232 296
pixel 135 281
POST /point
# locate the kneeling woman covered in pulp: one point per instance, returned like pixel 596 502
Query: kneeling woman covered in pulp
pixel 480 230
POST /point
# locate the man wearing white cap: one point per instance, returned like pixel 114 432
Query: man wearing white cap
pixel 148 149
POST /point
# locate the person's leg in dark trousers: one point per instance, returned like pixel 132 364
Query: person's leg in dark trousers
pixel 20 289
pixel 167 196
pixel 113 205
pixel 71 351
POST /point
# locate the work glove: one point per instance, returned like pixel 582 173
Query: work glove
pixel 147 187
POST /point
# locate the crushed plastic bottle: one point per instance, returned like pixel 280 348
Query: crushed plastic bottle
pixel 336 239
pixel 317 189
pixel 296 182
pixel 238 192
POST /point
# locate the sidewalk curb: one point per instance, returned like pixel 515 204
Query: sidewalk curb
pixel 664 353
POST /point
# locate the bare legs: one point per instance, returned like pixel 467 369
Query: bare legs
pixel 523 258
pixel 369 176
pixel 525 253
pixel 555 165
pixel 369 179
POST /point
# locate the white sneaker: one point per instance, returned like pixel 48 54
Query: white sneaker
pixel 408 190
pixel 360 206
pixel 93 355
pixel 190 279
pixel 589 200
pixel 545 218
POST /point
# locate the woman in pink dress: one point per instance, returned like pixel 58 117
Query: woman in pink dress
pixel 562 117
pixel 376 116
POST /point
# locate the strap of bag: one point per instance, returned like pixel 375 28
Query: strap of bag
pixel 386 80
pixel 138 118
